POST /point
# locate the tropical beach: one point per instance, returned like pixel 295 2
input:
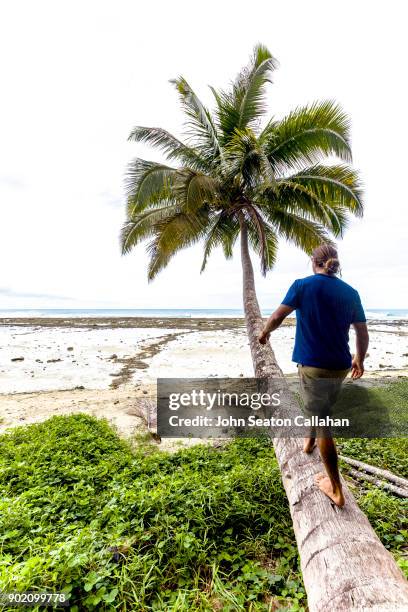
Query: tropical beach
pixel 203 308
pixel 63 377
pixel 101 366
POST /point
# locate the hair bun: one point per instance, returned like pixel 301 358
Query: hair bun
pixel 325 256
pixel 331 265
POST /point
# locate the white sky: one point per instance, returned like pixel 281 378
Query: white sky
pixel 77 76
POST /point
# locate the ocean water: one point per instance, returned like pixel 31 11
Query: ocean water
pixel 386 314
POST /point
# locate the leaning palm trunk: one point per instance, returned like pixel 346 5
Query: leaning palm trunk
pixel 344 564
pixel 269 181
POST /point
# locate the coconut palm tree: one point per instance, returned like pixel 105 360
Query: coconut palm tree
pixel 236 175
pixel 232 177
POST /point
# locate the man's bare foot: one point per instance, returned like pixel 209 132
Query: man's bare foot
pixel 324 484
pixel 308 445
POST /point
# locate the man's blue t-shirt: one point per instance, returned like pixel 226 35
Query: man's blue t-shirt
pixel 325 308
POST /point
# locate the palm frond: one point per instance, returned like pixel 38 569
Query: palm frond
pixel 193 189
pixel 337 185
pixel 244 104
pixel 146 183
pixel 246 159
pixel 173 234
pixel 250 86
pixel 262 236
pixel 297 198
pixel 242 157
pixel 267 248
pixel 201 127
pixel 307 135
pixel 302 232
pixel 173 148
pixel 223 232
pixel 226 173
pixel 142 225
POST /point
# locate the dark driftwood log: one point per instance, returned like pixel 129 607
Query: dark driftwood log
pixel 382 484
pixel 398 480
pixel 344 564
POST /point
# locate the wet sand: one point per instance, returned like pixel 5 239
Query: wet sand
pixel 131 322
pixel 108 367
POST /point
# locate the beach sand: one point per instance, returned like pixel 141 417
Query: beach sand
pixel 107 367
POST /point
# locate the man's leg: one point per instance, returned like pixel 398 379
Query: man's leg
pixel 310 442
pixel 320 389
pixel 307 394
pixel 329 483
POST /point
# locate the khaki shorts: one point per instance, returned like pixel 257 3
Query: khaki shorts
pixel 320 389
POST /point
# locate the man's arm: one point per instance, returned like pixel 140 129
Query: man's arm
pixel 274 321
pixel 357 366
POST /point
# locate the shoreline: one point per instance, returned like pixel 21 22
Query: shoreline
pixel 193 323
pixel 137 322
pixel 108 366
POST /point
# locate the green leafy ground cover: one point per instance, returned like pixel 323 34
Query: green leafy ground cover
pixel 125 528
pixel 389 454
pixel 197 530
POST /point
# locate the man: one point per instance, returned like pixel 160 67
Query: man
pixel 325 307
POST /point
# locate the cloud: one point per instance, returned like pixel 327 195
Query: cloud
pixel 5 291
pixel 116 200
pixel 64 155
pixel 13 182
